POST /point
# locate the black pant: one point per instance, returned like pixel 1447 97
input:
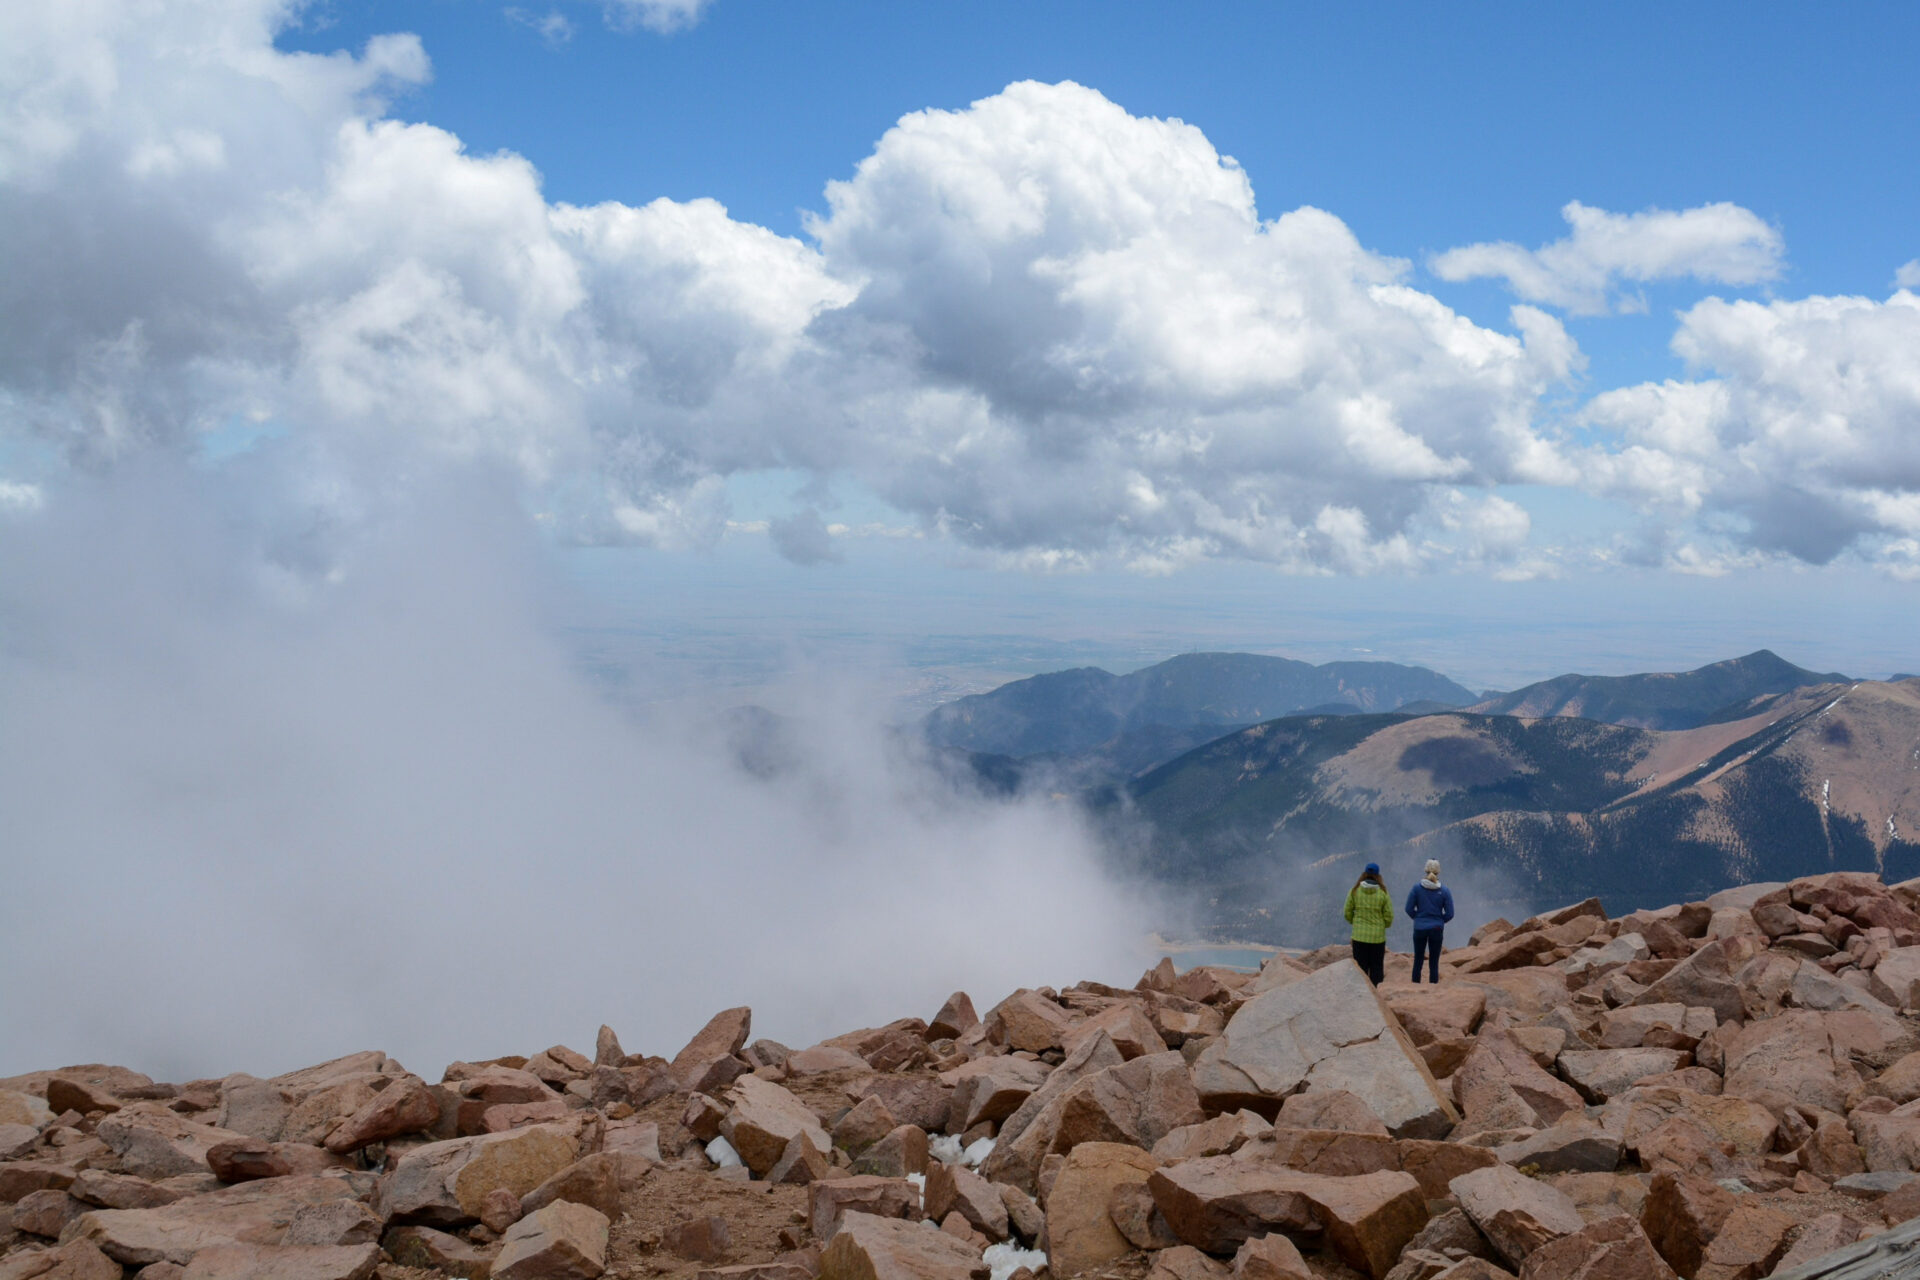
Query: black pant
pixel 1371 957
pixel 1426 942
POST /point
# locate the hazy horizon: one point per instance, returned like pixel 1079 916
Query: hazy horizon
pixel 1496 636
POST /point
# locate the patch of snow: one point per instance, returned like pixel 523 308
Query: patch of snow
pixel 1007 1258
pixel 1826 790
pixel 978 1152
pixel 919 1180
pixel 945 1148
pixel 721 1152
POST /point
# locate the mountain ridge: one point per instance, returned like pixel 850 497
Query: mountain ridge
pixel 1083 728
pixel 1550 807
pixel 1084 708
pixel 1660 700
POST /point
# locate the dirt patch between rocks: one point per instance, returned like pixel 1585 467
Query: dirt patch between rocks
pixel 754 1212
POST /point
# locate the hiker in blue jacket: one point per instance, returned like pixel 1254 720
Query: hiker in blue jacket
pixel 1429 906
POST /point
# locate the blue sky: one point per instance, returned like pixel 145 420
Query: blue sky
pixel 1158 413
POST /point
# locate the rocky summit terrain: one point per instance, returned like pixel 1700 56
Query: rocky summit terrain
pixel 1716 1090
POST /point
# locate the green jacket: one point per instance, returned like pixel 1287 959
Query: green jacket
pixel 1369 911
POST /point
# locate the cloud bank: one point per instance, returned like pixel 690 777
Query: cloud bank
pixel 1804 444
pixel 276 791
pixel 1038 326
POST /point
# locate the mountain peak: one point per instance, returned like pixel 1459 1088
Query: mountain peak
pixel 1079 710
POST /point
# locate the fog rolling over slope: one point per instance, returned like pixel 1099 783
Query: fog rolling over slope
pixel 278 786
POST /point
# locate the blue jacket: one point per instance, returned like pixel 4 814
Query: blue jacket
pixel 1429 908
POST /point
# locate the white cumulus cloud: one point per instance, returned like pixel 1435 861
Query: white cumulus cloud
pixel 1804 441
pixel 1090 341
pixel 1718 243
pixel 1039 325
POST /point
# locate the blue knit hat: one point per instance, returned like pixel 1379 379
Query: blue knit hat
pixel 1373 869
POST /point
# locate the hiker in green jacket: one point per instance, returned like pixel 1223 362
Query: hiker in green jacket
pixel 1370 911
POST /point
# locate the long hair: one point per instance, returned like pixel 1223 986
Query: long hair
pixel 1366 876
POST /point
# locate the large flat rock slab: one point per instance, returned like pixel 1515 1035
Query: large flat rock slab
pixel 1706 979
pixel 1218 1203
pixel 1794 1055
pixel 1330 1030
pixel 829 1203
pixel 1747 1127
pixel 1601 1074
pixel 992 1088
pixel 1611 1249
pixel 764 1119
pixel 304 1105
pixel 251 1213
pixel 563 1241
pixel 1432 1013
pixel 1516 1214
pixel 1081 1233
pixel 443 1183
pixel 292 1262
pixel 153 1142
pixel 1140 1102
pixel 871 1248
